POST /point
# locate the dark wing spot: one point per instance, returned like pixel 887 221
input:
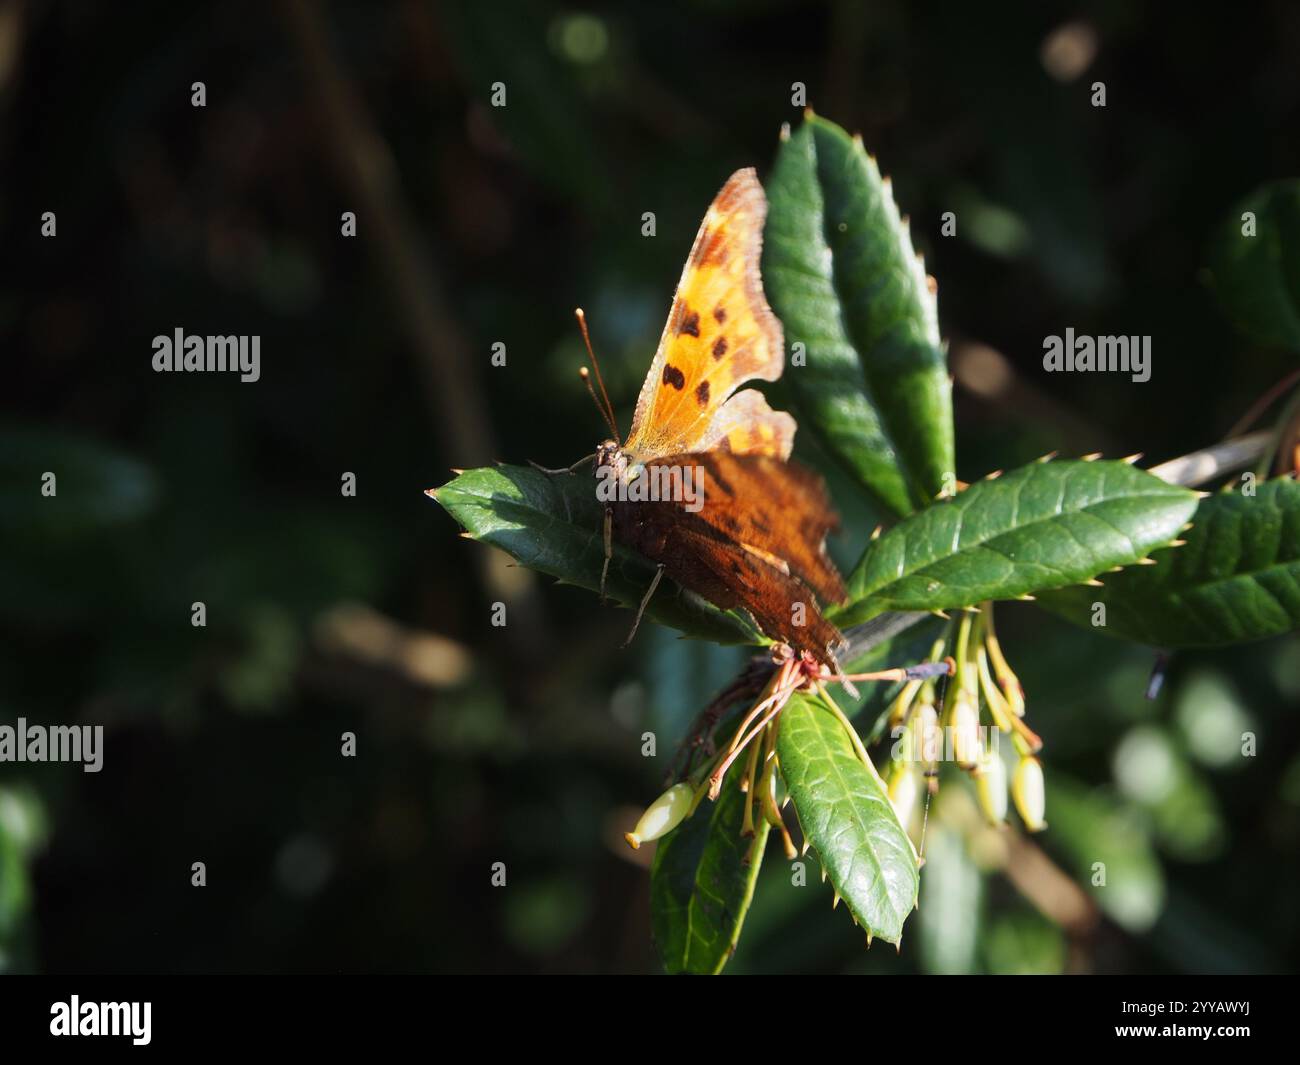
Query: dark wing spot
pixel 674 377
pixel 719 347
pixel 720 313
pixel 702 393
pixel 689 323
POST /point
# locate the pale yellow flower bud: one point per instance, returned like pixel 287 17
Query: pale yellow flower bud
pixel 662 816
pixel 991 786
pixel 929 733
pixel 903 790
pixel 1030 793
pixel 965 731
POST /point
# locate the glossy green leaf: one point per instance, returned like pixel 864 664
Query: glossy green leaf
pixel 1255 264
pixel 845 813
pixel 1236 579
pixel 553 524
pixel 1045 525
pixel 840 272
pixel 702 882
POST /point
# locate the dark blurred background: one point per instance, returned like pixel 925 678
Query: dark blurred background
pixel 478 225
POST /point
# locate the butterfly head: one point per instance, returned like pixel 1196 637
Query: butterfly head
pixel 611 460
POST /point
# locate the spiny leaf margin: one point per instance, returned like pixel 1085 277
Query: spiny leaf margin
pixel 1046 525
pixel 846 816
pixel 841 273
pixel 1237 578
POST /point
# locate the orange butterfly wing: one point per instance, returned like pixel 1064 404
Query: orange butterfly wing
pixel 720 333
pixel 759 540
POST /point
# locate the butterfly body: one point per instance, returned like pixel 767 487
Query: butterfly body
pixel 703 485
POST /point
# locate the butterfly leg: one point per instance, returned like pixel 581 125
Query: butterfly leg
pixel 609 549
pixel 645 601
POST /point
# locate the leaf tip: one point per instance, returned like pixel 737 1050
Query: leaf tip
pixel 1131 459
pixel 432 493
pixel 1090 457
pixel 1048 457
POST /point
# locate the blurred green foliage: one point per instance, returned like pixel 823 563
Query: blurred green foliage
pixel 479 744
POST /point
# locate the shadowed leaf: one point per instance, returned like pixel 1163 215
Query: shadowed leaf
pixel 552 524
pixel 1236 579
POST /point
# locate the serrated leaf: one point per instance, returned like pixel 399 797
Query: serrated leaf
pixel 1045 525
pixel 702 882
pixel 1236 579
pixel 553 524
pixel 1257 276
pixel 846 814
pixel 840 272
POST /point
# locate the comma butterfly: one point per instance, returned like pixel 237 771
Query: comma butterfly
pixel 754 537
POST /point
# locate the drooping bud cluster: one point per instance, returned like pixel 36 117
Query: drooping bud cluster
pixel 981 681
pixel 914 720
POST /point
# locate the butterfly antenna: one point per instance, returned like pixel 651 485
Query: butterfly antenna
pixel 607 410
